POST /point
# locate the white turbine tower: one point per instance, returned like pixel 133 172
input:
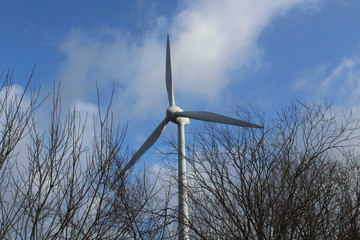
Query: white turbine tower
pixel 181 118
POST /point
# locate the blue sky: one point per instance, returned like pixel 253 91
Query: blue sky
pixel 267 53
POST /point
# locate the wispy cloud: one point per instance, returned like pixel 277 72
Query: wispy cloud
pixel 341 83
pixel 346 72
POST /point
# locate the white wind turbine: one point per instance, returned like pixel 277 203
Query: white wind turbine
pixel 180 117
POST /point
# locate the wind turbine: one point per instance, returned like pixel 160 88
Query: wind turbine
pixel 180 117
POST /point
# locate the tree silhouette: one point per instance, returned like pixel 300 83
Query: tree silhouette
pixel 298 179
pixel 65 189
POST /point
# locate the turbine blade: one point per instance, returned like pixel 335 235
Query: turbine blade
pixel 213 117
pixel 146 145
pixel 169 87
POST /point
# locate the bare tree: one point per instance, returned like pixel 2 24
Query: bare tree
pixel 297 179
pixel 15 114
pixel 66 189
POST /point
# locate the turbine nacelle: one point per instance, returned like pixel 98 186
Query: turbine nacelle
pixel 172 115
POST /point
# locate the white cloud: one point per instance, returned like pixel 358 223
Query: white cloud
pixel 341 83
pixel 209 40
pixel 101 55
pixel 311 79
pixel 214 37
pixel 346 71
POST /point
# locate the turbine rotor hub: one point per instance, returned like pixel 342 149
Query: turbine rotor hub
pixel 171 115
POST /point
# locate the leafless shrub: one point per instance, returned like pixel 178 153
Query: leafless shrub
pixel 66 189
pixel 15 115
